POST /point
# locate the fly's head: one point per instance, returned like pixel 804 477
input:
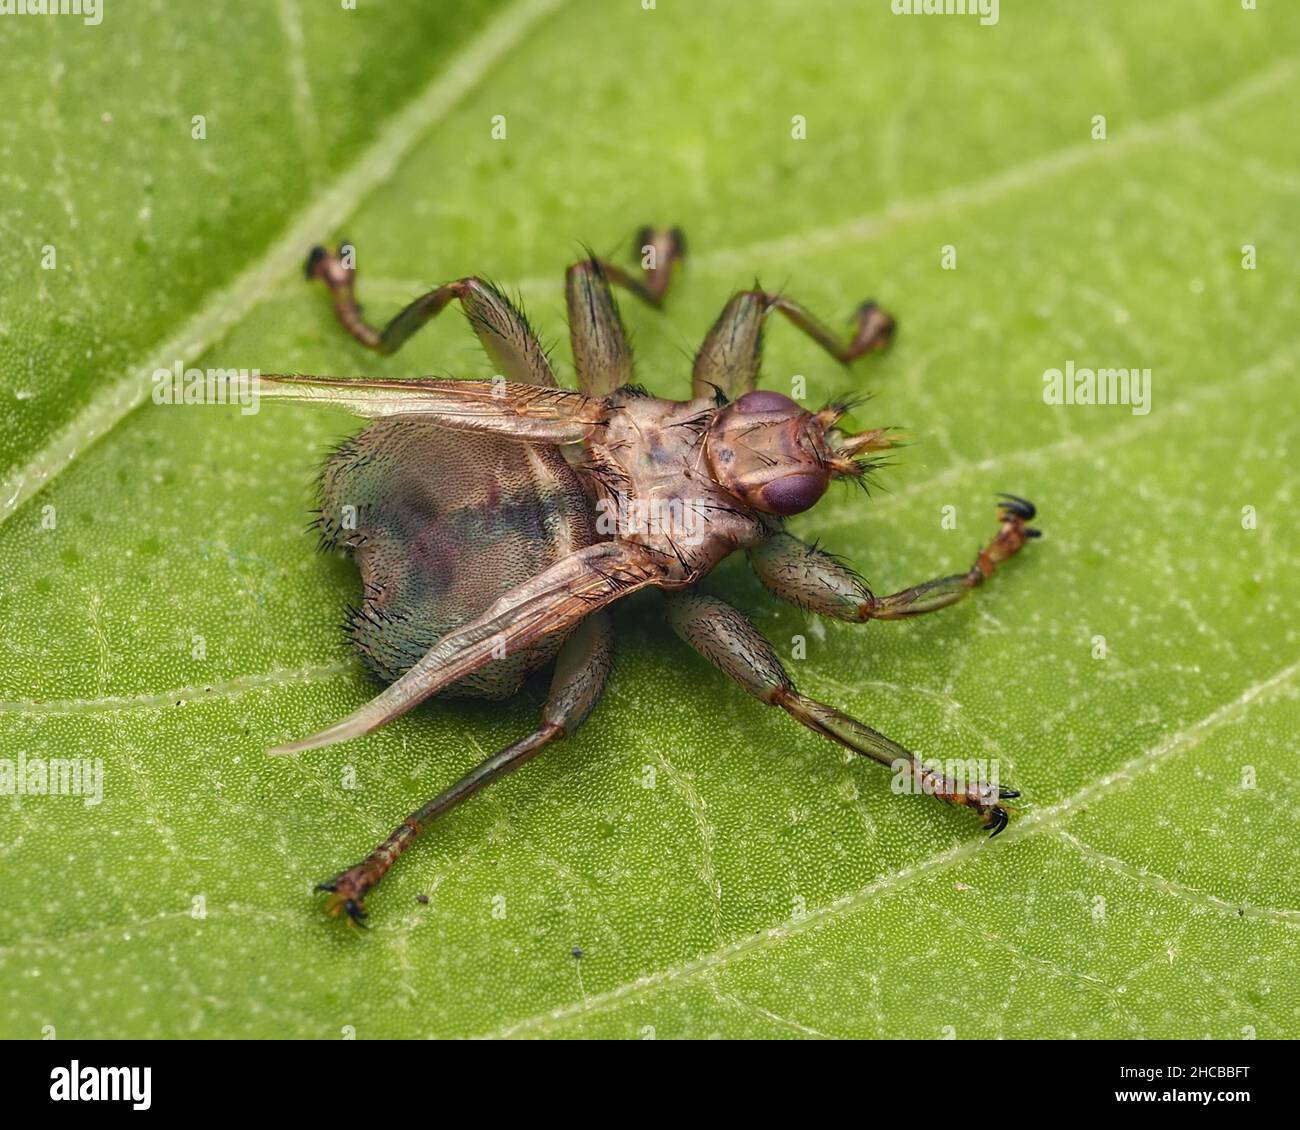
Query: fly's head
pixel 778 458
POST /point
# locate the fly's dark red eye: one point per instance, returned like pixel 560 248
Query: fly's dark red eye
pixel 763 401
pixel 793 494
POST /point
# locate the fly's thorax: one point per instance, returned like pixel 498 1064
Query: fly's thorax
pixel 648 473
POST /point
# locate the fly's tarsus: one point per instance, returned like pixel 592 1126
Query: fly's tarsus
pixel 346 893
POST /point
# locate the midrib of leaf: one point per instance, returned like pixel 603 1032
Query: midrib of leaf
pixel 1042 820
pixel 330 206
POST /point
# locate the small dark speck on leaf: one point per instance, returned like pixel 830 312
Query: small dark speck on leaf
pixel 423 900
pixel 576 951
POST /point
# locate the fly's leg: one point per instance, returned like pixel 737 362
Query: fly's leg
pixel 659 252
pixel 503 329
pixel 580 673
pixel 601 352
pixel 812 578
pixel 731 354
pixel 732 644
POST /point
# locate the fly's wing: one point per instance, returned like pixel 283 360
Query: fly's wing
pixel 554 601
pixel 529 413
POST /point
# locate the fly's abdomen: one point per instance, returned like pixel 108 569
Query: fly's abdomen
pixel 440 525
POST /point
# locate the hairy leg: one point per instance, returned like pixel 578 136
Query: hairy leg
pixel 505 333
pixel 601 352
pixel 580 673
pixel 731 354
pixel 812 578
pixel 732 644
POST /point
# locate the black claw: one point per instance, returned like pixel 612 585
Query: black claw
pixel 314 259
pixel 999 821
pixel 1021 507
pixel 646 237
pixel 1008 794
pixel 356 912
pixel 327 886
pixel 869 317
pixel 871 308
pixel 1030 532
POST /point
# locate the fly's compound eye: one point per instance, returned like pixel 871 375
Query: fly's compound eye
pixel 793 494
pixel 761 400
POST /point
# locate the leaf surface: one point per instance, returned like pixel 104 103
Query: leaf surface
pixel 721 871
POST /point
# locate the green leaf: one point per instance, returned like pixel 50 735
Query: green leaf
pixel 163 609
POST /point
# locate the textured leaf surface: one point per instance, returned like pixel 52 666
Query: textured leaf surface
pixel 765 885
